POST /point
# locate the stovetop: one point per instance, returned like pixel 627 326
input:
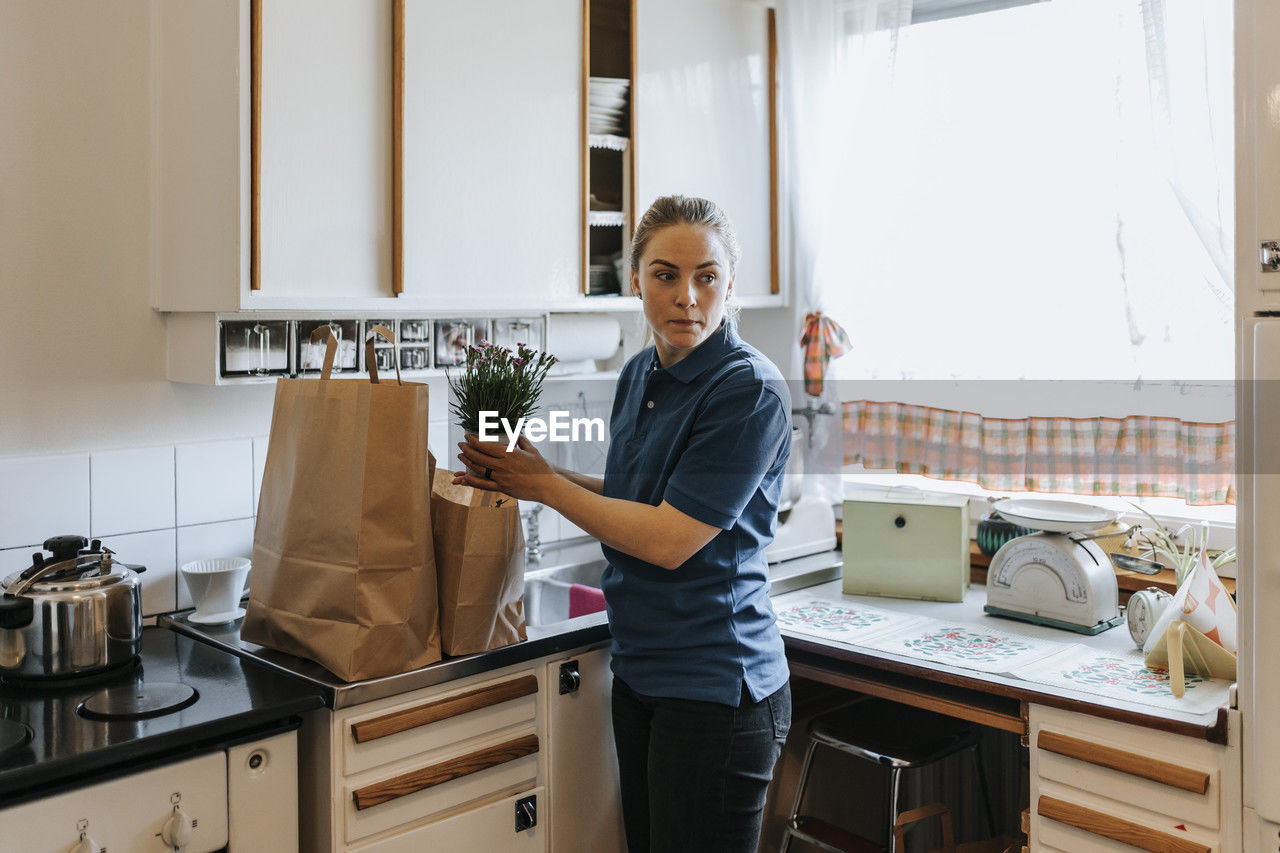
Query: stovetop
pixel 218 697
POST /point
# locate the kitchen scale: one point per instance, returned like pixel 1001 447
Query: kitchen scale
pixel 1056 576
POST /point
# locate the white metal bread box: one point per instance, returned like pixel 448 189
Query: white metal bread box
pixel 907 546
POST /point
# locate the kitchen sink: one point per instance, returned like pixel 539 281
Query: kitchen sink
pixel 546 591
pixel 546 587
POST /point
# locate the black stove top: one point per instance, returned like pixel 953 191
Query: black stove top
pixel 181 697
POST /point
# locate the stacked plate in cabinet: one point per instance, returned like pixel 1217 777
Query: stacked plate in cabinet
pixel 607 105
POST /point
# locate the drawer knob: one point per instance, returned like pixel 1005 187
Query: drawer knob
pixel 526 813
pixel 570 678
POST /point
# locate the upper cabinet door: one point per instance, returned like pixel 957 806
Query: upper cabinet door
pixel 326 146
pixel 703 100
pixel 492 148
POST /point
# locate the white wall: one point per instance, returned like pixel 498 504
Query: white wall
pixel 82 354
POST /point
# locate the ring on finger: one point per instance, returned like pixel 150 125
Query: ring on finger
pixel 488 473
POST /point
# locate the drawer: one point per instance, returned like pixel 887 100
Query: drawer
pixel 414 792
pixel 1167 785
pixel 485 827
pixel 394 732
pixel 1066 820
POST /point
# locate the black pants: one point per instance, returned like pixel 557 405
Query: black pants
pixel 694 774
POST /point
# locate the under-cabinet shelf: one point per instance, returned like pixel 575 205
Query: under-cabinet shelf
pixel 606 218
pixel 608 142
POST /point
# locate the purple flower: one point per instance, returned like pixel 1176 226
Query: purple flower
pixel 517 361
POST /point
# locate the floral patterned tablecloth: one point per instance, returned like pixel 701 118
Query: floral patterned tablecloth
pixel 998 647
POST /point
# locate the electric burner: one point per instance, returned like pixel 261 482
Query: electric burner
pixel 13 735
pixel 137 701
pixel 125 672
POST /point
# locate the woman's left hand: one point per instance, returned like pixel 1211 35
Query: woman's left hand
pixel 520 472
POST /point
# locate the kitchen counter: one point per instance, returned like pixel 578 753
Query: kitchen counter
pixel 549 640
pixel 542 641
pixel 990 699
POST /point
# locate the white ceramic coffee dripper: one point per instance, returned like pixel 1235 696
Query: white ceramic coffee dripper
pixel 216 586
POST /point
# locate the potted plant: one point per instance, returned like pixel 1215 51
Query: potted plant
pixel 1180 557
pixel 495 379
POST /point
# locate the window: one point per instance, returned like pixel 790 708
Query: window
pixel 1032 206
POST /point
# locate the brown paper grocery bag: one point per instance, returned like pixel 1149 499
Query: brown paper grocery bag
pixel 343 569
pixel 479 548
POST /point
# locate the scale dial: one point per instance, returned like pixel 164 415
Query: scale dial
pixel 1045 550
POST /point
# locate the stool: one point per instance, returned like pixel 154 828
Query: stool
pixel 899 737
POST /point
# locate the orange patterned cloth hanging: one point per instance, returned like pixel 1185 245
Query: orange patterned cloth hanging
pixel 822 339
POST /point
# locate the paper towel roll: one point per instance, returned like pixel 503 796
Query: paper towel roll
pixel 581 337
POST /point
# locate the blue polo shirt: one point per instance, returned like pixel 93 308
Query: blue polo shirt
pixel 709 435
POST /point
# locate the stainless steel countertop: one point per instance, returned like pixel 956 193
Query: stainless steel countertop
pixel 589 630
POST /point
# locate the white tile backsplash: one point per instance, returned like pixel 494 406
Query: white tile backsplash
pixel 215 481
pixel 438 443
pixel 15 560
pixel 157 551
pixel 43 496
pixel 131 491
pixel 226 539
pixel 259 465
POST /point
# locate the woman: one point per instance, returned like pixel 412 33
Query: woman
pixel 700 434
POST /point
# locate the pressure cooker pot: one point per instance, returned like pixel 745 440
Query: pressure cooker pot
pixel 76 612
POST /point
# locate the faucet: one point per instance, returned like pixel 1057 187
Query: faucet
pixel 533 544
pixel 810 411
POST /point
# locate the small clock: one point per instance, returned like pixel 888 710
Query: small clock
pixel 1145 607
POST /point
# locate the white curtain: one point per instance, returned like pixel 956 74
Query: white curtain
pixel 826 48
pixel 1038 192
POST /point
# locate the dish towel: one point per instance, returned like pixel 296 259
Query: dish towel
pixel 584 600
pixel 822 339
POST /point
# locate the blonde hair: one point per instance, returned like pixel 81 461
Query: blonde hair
pixel 689 210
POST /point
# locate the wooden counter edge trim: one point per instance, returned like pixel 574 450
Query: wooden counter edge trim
pixel 442 709
pixel 1174 775
pixel 445 771
pixel 1115 828
pixel 1213 733
pixel 917 699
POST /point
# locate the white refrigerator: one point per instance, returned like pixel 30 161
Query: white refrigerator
pixel 1257 69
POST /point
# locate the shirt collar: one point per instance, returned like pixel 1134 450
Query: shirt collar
pixel 708 352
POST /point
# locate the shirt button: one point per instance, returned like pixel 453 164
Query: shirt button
pixel 649 404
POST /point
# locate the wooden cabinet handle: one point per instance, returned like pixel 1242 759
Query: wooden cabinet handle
pixel 442 709
pixel 435 774
pixel 1186 778
pixel 1118 829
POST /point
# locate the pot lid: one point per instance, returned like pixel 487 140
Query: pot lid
pixel 72 566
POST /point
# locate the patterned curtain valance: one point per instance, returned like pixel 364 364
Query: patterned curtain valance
pixel 1137 455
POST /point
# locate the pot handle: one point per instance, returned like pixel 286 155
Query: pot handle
pixel 16 612
pixel 20 588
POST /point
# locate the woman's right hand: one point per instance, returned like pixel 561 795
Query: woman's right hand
pixel 521 472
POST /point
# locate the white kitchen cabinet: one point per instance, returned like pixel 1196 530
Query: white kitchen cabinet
pixel 324 166
pixel 455 767
pixel 584 768
pixel 1096 781
pixel 492 144
pixel 703 101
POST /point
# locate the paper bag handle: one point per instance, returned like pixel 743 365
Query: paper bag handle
pixel 330 348
pixel 388 336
